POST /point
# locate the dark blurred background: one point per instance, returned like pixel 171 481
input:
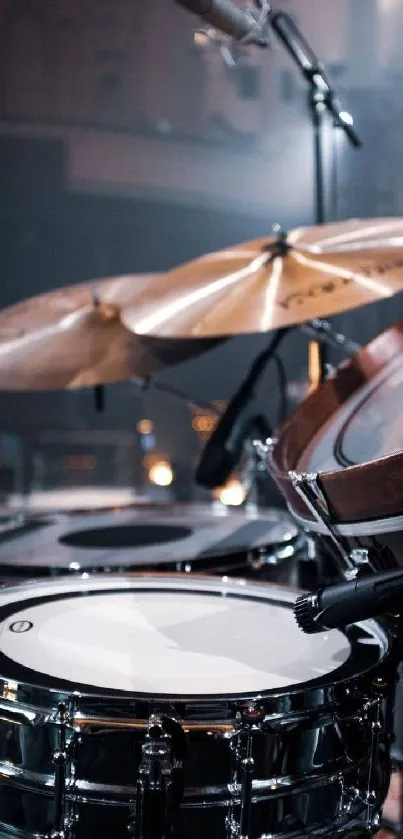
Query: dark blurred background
pixel 126 147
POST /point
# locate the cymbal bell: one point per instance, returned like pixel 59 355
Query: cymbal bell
pixel 75 338
pixel 271 283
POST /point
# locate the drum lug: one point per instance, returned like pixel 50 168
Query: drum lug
pixel 370 797
pixel 63 759
pixel 349 795
pixel 154 784
pixel 243 771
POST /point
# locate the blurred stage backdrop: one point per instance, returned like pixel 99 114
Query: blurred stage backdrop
pixel 126 146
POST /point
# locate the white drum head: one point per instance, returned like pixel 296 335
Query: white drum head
pixel 163 636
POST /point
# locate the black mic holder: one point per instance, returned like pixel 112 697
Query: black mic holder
pixel 337 606
pixel 224 448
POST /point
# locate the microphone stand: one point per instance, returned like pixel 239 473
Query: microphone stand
pixel 322 100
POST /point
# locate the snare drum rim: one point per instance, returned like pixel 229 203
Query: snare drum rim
pixel 356 494
pixel 314 695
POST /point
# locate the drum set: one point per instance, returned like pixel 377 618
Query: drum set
pixel 141 696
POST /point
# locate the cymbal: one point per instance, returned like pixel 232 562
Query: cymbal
pixel 74 338
pixel 271 283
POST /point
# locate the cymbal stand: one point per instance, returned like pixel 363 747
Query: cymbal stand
pixel 322 331
pixel 200 404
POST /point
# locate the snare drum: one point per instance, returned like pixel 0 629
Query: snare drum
pixel 154 537
pixel 184 704
pixel 339 458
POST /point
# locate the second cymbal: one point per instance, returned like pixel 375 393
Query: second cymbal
pixel 275 282
pixel 74 338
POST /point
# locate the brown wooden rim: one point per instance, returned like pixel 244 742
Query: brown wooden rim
pixel 368 491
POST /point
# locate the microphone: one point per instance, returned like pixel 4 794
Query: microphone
pixel 313 70
pixel 224 448
pixel 336 606
pixel 299 49
pixel 228 18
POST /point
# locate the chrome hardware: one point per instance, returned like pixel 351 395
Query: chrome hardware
pixel 307 487
pixel 64 814
pixel 256 451
pixel 239 815
pixel 360 556
pixel 261 451
pixel 349 797
pixel 370 797
pixel 154 784
pixel 360 559
pixel 322 330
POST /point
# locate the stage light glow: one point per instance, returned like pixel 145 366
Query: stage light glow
pixel 203 423
pixel 161 474
pixel 233 494
pixel 145 426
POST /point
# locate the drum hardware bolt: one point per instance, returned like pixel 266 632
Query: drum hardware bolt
pixel 60 757
pixel 360 556
pixel 360 559
pixel 253 714
pixel 350 574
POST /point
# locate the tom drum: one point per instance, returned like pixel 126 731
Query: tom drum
pixel 339 457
